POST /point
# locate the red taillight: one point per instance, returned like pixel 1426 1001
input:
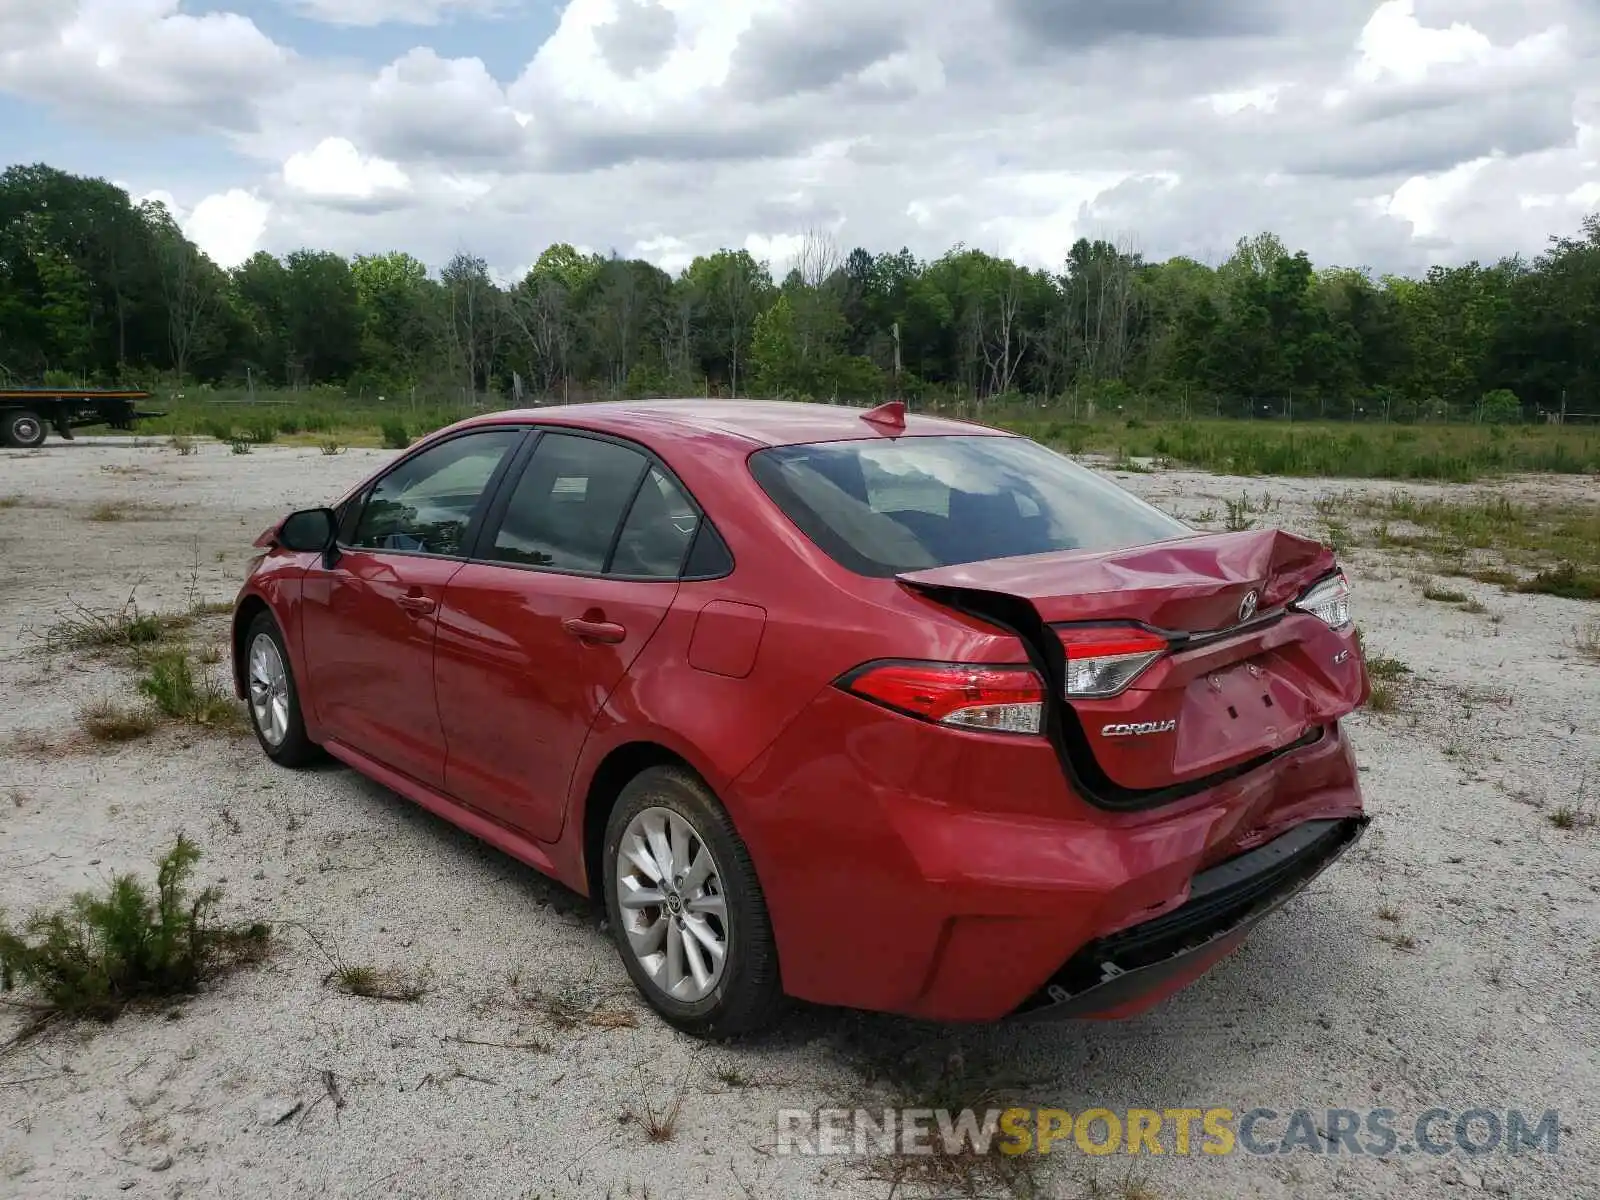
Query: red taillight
pixel 1102 660
pixel 995 699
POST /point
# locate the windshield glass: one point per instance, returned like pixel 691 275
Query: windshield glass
pixel 883 507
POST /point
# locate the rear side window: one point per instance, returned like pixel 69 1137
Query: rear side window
pixel 568 505
pixel 658 532
pixel 882 507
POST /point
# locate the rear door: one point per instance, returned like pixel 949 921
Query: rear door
pixel 369 619
pixel 574 572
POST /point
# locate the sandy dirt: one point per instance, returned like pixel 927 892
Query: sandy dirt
pixel 1476 987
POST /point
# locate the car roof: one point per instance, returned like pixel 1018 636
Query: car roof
pixel 753 422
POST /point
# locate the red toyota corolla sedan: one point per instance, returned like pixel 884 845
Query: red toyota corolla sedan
pixel 882 711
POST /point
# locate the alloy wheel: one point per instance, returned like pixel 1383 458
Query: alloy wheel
pixel 269 690
pixel 670 894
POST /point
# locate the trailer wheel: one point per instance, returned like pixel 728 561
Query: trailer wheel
pixel 22 429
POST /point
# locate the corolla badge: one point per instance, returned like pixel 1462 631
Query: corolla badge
pixel 1141 730
pixel 1247 606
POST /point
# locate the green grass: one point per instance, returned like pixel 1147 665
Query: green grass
pixel 126 628
pixel 1384 698
pixel 101 953
pixel 171 684
pixel 1559 543
pixel 1569 817
pixel 297 419
pixel 1566 580
pixel 1390 670
pixel 1455 453
pixel 1449 453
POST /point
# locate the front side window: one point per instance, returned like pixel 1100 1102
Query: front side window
pixel 566 509
pixel 883 507
pixel 426 504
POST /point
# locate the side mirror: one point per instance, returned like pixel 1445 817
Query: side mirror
pixel 310 531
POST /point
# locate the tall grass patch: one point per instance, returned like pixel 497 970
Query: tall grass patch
pixel 1444 453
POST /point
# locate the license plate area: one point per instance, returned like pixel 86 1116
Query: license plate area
pixel 1240 710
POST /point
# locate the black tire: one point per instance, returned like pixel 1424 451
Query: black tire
pixel 749 995
pixel 294 749
pixel 22 429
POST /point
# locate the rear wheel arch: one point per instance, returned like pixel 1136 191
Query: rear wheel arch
pixel 620 767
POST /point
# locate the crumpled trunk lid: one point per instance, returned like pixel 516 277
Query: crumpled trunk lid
pixel 1245 677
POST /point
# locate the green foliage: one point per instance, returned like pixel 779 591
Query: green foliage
pixel 1455 453
pixel 125 628
pixel 395 436
pixel 102 953
pixel 1566 580
pixel 171 684
pixel 1500 407
pixel 95 288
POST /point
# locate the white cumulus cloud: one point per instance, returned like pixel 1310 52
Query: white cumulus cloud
pixel 335 169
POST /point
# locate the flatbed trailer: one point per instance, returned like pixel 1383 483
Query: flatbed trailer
pixel 27 413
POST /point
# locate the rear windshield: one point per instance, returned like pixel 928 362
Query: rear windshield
pixel 882 507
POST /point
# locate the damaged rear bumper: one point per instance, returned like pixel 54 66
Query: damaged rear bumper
pixel 1114 974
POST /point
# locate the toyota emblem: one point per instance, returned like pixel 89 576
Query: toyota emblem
pixel 1247 606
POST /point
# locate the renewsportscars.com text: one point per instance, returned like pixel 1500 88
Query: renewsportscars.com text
pixel 1376 1132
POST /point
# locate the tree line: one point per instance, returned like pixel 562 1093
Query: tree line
pixel 95 288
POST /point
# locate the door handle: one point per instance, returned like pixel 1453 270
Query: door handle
pixel 594 631
pixel 417 606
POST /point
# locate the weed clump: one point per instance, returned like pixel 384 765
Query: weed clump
pixel 101 953
pixel 107 721
pixel 1566 581
pixel 125 628
pixel 171 684
pixel 1444 595
pixel 1587 640
pixel 373 983
pixel 1382 667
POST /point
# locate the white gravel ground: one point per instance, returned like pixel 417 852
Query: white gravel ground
pixel 1494 1006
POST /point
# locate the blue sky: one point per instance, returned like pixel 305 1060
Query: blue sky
pixel 155 157
pixel 1386 134
pixel 504 42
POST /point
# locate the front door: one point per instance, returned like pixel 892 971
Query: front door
pixel 369 619
pixel 583 565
